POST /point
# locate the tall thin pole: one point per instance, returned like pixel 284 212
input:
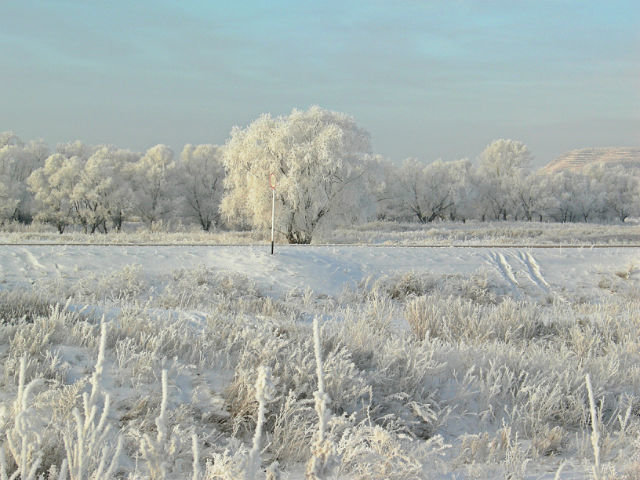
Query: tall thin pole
pixel 273 215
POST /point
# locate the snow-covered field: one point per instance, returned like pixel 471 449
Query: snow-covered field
pixel 437 362
pixel 525 272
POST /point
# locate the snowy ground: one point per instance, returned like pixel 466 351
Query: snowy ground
pixel 440 362
pixel 531 272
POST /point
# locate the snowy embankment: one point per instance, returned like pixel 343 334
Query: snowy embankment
pixel 436 362
pixel 325 270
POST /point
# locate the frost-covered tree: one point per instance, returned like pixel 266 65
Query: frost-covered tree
pixel 430 192
pixel 76 149
pixel 589 197
pixel 153 178
pixel 102 196
pixel 94 193
pixel 319 159
pixel 17 161
pixel 201 183
pixel 529 194
pixel 382 179
pixel 619 188
pixel 52 186
pixel 8 204
pixel 574 196
pixel 503 164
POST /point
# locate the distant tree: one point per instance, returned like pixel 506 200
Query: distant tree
pixel 574 196
pixel 382 179
pixel 153 179
pixel 10 139
pixel 102 195
pixel 589 197
pixel 17 161
pixel 319 159
pixel 620 189
pixel 430 192
pixel 459 172
pixel 529 194
pixel 76 149
pixel 52 185
pixel 201 183
pixel 7 202
pixel 503 164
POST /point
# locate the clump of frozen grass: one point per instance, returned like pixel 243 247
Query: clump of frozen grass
pixel 456 319
pixel 323 459
pixel 23 440
pixel 33 340
pixel 236 463
pixel 289 353
pixel 264 393
pixel 160 452
pixel 22 305
pixel 293 430
pixel 89 443
pixel 595 431
pixel 401 287
pixel 125 285
pixel 191 288
pixel 371 452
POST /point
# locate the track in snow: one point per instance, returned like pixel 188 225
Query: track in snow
pixel 514 267
pixel 533 270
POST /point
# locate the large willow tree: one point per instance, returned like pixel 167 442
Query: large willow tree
pixel 319 160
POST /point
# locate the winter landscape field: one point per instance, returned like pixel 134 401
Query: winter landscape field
pixel 452 189
pixel 369 360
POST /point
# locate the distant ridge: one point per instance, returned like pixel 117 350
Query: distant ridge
pixel 577 160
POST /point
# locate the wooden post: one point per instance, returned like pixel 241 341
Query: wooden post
pixel 272 184
pixel 273 215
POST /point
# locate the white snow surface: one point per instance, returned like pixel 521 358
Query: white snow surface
pixel 326 270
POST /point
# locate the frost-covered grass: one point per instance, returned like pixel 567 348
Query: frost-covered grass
pixel 203 375
pixel 375 233
pixel 486 233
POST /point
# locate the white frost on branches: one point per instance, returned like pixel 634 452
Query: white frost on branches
pixel 319 159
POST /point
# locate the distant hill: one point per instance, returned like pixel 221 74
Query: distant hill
pixel 576 160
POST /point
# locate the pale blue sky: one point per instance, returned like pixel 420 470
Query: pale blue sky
pixel 436 79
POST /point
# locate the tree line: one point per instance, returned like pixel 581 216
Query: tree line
pixel 326 175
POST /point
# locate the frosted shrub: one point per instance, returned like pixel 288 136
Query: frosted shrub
pixel 33 341
pixel 24 305
pixel 474 287
pixel 403 386
pixel 406 285
pixel 290 356
pixel 228 465
pixel 372 452
pixel 455 320
pixel 452 319
pixel 205 287
pixel 293 430
pixel 365 327
pixel 124 285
